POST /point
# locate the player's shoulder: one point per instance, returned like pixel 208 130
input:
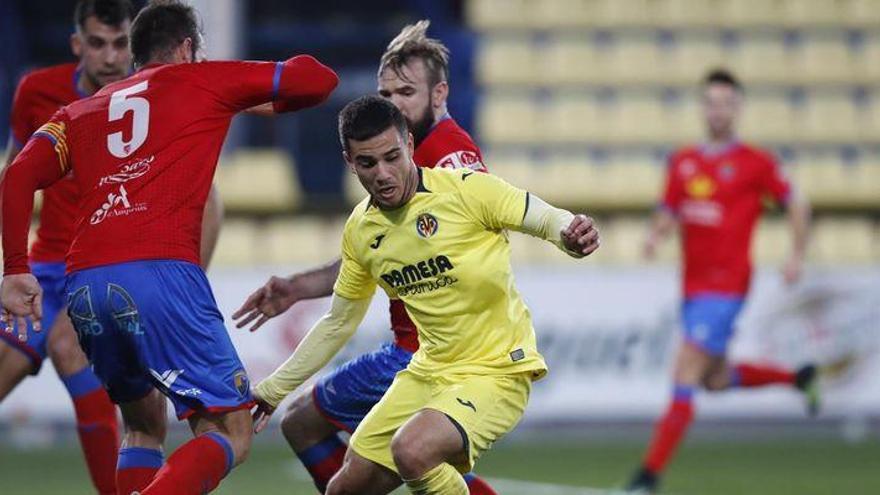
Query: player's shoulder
pixel 450 146
pixel 684 153
pixel 50 75
pixel 757 155
pixel 440 180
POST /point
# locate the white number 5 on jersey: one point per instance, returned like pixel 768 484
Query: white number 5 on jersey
pixel 122 102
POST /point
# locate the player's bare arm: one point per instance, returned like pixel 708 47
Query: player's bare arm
pixel 798 214
pixel 662 224
pixel 280 293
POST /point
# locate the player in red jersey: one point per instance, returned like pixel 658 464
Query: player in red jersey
pixel 143 152
pixel 714 193
pixel 100 42
pixel 413 76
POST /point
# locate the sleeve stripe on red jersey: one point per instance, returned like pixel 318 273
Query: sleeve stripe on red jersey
pixel 276 79
pixel 54 132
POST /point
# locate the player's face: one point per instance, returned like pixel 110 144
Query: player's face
pixel 103 51
pixel 409 91
pixel 384 166
pixel 721 106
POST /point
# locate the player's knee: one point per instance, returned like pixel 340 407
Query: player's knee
pixel 65 352
pixel 294 422
pixel 410 456
pixel 340 484
pixel 714 382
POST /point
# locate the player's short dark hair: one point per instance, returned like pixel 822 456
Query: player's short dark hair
pixel 161 27
pixel 367 117
pixel 413 42
pixel 722 76
pixel 109 12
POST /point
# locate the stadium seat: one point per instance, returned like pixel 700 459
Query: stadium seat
pixel 258 181
pixel 813 13
pixel 506 60
pixel 862 13
pixel 767 117
pixel 843 240
pixel 829 117
pixel 823 59
pixel 871 130
pixel 634 59
pixel 685 13
pixel 299 240
pixel 353 190
pixel 485 15
pixel 750 13
pixel 509 118
pixel 238 244
pixel 692 56
pixel 868 59
pixel 772 242
pixel 571 60
pixel 632 181
pixel 573 118
pixel 637 118
pixel 761 59
pixel 563 13
pixel 682 120
pixel 614 13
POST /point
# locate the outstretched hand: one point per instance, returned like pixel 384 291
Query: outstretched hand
pixel 269 301
pixel 21 298
pixel 581 236
pixel 262 413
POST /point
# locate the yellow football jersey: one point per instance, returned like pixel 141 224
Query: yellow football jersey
pixel 446 255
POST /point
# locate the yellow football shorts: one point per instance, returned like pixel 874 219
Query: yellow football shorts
pixel 486 407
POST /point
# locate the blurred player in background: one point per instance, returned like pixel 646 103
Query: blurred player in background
pixel 413 74
pixel 143 151
pixel 714 193
pixel 437 240
pixel 100 42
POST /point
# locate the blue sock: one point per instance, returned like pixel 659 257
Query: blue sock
pixel 323 460
pixel 81 383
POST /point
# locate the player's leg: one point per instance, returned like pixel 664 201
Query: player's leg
pixel 140 456
pixel 96 422
pixel 222 441
pixel 361 476
pixel 314 439
pixel 14 367
pixel 464 418
pixel 339 401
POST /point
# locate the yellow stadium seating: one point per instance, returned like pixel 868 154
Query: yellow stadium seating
pixel 637 118
pixel 847 240
pixel 767 118
pixel 772 242
pixel 495 14
pixel 677 13
pixel 509 118
pixel 571 60
pixel 809 13
pixel 863 13
pixel 868 59
pixel 750 13
pixel 829 118
pixel 238 243
pixel 506 60
pixel 572 118
pixel 761 59
pixel 304 239
pixel 563 13
pixel 823 59
pixel 692 57
pixel 258 181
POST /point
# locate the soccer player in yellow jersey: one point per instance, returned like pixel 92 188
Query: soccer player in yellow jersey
pixel 436 239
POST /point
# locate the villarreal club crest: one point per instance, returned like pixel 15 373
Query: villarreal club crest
pixel 426 225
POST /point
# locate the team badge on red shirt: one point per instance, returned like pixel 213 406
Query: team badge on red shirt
pixel 427 225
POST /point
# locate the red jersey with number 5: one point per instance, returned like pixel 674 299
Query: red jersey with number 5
pixel 39 95
pixel 718 198
pixel 446 146
pixel 143 152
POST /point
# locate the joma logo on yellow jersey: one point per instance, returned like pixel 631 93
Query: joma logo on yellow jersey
pixel 411 274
